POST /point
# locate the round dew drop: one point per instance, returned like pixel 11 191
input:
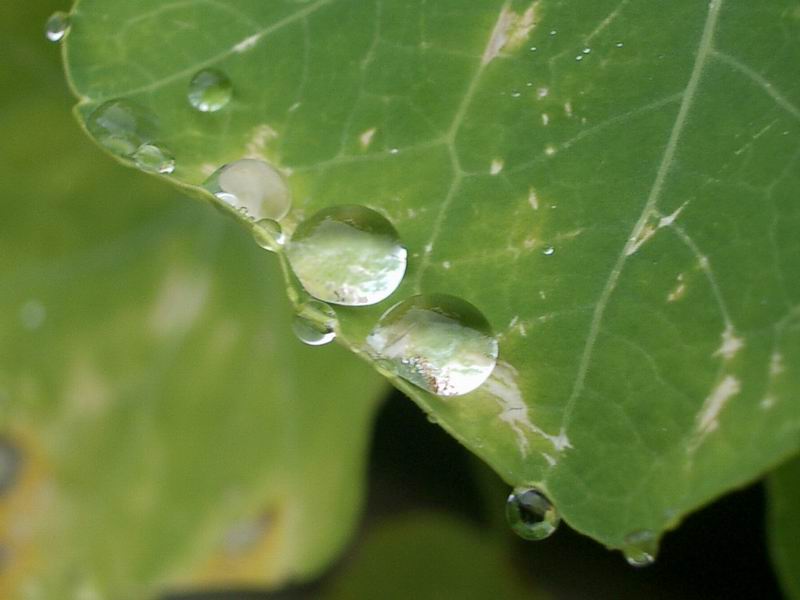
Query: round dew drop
pixel 269 235
pixel 57 26
pixel 640 548
pixel 252 187
pixel 210 90
pixel 154 159
pixel 440 343
pixel 530 514
pixel 348 255
pixel 122 127
pixel 315 323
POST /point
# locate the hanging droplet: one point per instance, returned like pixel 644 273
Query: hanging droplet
pixel 57 26
pixel 210 90
pixel 315 323
pixel 641 548
pixel 154 159
pixel 122 126
pixel 269 235
pixel 440 343
pixel 252 187
pixel 530 514
pixel 348 255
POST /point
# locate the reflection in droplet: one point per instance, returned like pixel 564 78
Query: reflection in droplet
pixel 122 126
pixel 641 548
pixel 154 159
pixel 348 255
pixel 269 235
pixel 530 514
pixel 440 343
pixel 57 26
pixel 210 90
pixel 252 187
pixel 315 323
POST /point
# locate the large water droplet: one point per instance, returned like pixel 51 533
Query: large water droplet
pixel 253 188
pixel 348 255
pixel 154 159
pixel 440 343
pixel 210 90
pixel 57 26
pixel 315 323
pixel 122 126
pixel 269 235
pixel 530 514
pixel 641 548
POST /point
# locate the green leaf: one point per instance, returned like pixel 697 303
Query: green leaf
pixel 783 487
pixel 430 556
pixel 159 423
pixel 612 182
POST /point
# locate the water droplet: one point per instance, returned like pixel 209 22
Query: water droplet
pixel 516 93
pixel 348 255
pixel 315 323
pixel 210 90
pixel 586 50
pixel 252 187
pixel 269 235
pixel 57 26
pixel 530 514
pixel 533 48
pixel 122 126
pixel 432 419
pixel 641 548
pixel 549 251
pixel 154 159
pixel 10 463
pixel 440 343
pixel 619 44
pixel 394 150
pixel 553 32
pixel 579 57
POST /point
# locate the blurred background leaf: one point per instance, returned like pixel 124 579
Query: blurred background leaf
pixel 161 426
pixel 784 525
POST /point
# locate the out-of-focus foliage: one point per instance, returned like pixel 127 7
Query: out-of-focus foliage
pixel 784 525
pixel 160 424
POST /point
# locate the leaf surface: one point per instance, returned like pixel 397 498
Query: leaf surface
pixel 159 423
pixel 613 183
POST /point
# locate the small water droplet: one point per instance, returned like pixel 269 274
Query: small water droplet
pixel 57 26
pixel 348 255
pixel 516 93
pixel 122 126
pixel 533 48
pixel 154 159
pixel 586 50
pixel 269 235
pixel 10 463
pixel 579 57
pixel 549 251
pixel 315 323
pixel 252 187
pixel 619 44
pixel 641 548
pixel 432 419
pixel 553 32
pixel 530 514
pixel 394 151
pixel 440 343
pixel 210 90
